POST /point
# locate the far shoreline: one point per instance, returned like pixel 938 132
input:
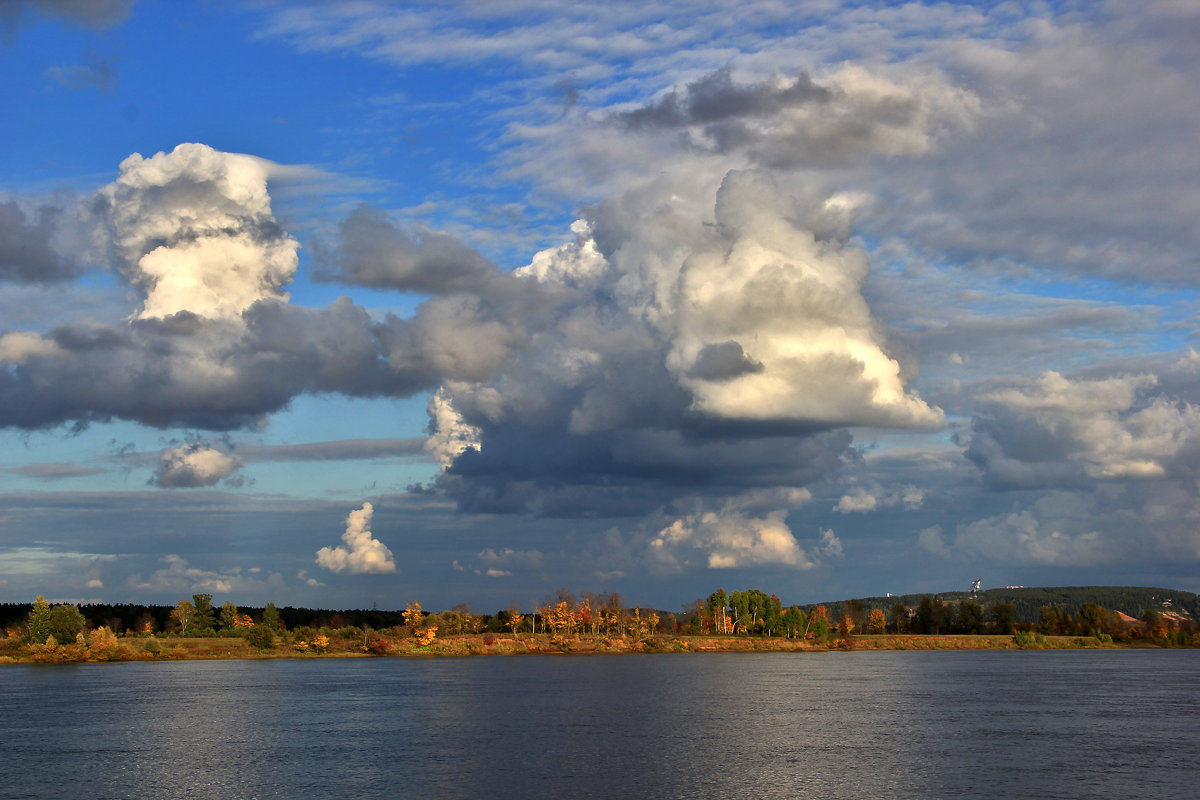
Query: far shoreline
pixel 168 648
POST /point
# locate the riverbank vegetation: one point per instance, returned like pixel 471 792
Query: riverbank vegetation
pixel 740 621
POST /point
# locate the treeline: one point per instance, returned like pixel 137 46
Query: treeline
pixel 966 617
pixel 139 617
pixel 62 633
pixel 198 617
pixel 1081 611
pixel 1027 603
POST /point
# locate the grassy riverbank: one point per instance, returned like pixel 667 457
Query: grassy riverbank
pixel 208 648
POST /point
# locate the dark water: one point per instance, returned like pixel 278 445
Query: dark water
pixel 1075 724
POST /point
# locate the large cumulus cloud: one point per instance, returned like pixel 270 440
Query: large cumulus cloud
pixel 1102 467
pixel 695 334
pixel 704 332
pixel 215 343
pixel 1059 430
pixel 193 229
pixel 360 552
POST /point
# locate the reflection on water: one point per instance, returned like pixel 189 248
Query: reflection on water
pixel 1074 724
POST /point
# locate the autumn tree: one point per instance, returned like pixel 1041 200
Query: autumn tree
pixel 1091 619
pixel 877 623
pixel 468 619
pixel 103 645
pixel 639 625
pixel 586 616
pixel 561 618
pixel 857 612
pixel 1154 624
pixel 412 615
pixel 610 614
pixel 513 619
pixel 183 617
pixel 1051 620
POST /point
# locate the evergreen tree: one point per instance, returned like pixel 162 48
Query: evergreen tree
pixel 229 613
pixel 205 619
pixel 38 623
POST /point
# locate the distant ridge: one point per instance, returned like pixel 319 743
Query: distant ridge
pixel 1131 600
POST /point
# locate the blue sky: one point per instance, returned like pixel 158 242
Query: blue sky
pixel 455 302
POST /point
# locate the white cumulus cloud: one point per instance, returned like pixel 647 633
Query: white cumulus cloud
pixel 194 464
pixel 362 553
pixel 193 229
pixel 1113 427
pixel 730 539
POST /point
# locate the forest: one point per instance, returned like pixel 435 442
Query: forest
pixel 563 622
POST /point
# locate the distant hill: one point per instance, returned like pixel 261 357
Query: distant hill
pixel 1131 600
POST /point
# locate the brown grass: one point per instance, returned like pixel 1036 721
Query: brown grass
pixel 180 648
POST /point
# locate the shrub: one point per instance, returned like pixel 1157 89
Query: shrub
pixel 152 647
pixel 351 633
pixel 377 645
pixel 260 637
pixel 1029 640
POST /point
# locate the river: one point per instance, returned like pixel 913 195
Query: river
pixel 980 724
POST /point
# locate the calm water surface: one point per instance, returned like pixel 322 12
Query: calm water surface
pixel 1073 724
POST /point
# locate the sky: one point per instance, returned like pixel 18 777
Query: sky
pixel 356 304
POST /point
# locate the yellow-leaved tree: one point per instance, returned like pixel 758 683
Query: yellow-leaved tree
pixel 412 615
pixel 103 645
